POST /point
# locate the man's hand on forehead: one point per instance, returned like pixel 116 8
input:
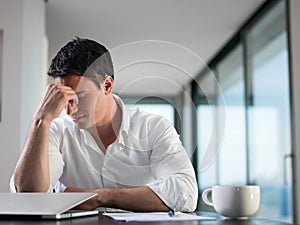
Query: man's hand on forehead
pixel 56 98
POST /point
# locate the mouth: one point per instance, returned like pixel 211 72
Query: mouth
pixel 78 117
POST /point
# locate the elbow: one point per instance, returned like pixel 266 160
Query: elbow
pixel 188 200
pixel 18 185
pixel 189 204
pixel 32 188
pixel 28 188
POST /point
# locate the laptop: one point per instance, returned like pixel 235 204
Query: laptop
pixel 49 206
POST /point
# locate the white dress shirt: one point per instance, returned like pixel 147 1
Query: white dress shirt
pixel 147 151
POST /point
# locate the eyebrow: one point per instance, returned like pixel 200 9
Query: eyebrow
pixel 79 92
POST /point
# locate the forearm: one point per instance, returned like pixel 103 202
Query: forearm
pixel 32 170
pixel 132 199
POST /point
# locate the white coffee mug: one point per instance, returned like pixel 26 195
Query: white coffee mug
pixel 233 201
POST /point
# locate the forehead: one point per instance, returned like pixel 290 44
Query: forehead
pixel 75 82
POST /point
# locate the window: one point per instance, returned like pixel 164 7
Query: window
pixel 230 164
pixel 253 74
pixel 269 112
pixel 206 167
pixel 232 157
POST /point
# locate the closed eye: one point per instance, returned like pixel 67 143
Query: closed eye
pixel 81 94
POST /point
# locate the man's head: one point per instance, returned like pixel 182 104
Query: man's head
pixel 86 67
pixel 83 57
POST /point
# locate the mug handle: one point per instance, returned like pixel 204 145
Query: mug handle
pixel 205 198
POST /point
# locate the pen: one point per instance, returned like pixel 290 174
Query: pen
pixel 171 213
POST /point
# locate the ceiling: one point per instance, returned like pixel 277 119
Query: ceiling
pixel 158 46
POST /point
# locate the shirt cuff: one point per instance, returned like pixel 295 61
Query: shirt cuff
pixel 12 187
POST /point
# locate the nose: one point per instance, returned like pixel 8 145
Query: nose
pixel 72 107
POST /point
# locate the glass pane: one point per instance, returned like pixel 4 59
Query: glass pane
pixel 269 114
pixel 232 157
pixel 207 135
pixel 229 167
pixel 208 140
pixel 205 125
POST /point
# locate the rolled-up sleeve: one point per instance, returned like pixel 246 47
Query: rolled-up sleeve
pixel 56 162
pixel 175 182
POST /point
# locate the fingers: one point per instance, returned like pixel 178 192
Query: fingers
pixel 63 94
pixel 68 97
pixel 56 98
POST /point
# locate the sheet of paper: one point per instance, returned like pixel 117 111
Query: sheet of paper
pixel 155 216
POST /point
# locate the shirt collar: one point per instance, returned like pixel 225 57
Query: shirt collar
pixel 125 124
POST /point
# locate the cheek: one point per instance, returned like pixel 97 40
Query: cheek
pixel 87 104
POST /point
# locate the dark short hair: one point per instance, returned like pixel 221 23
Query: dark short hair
pixel 83 57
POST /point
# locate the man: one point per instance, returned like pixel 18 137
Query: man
pixel 132 159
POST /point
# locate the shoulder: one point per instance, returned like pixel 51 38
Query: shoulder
pixel 142 117
pixel 154 125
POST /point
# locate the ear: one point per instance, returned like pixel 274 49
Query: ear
pixel 108 84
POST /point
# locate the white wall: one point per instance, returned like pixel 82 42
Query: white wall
pixel 34 60
pixel 23 76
